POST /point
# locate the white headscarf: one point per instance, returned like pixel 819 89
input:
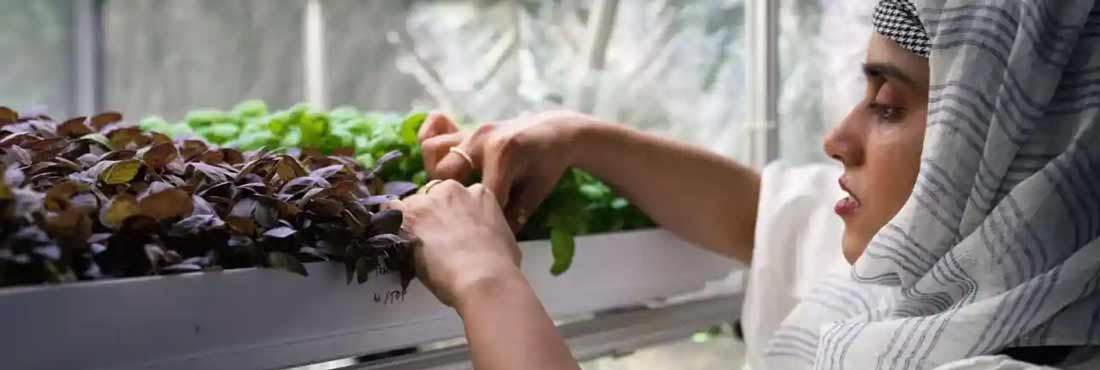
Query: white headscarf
pixel 997 247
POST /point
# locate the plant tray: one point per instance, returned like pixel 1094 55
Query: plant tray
pixel 261 318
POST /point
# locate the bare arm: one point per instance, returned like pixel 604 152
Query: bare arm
pixel 507 328
pixel 701 196
pixel 468 256
pixel 469 259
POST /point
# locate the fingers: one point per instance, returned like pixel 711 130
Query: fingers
pixel 525 199
pixel 436 147
pixel 436 124
pixel 480 192
pixel 448 188
pixel 454 166
pixel 436 137
pixel 497 177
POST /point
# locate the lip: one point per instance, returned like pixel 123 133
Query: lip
pixel 849 205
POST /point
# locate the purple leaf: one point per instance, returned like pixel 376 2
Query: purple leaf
pixel 399 188
pixel 281 232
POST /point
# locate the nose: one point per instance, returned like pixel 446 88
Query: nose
pixel 844 142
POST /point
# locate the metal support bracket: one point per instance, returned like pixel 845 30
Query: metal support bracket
pixel 763 80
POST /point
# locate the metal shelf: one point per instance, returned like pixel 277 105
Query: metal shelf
pixel 609 334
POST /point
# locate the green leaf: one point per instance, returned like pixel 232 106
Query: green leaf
pixel 360 126
pixel 279 123
pixel 257 140
pixel 250 108
pixel 297 113
pixel 154 124
pixel 180 130
pixel 314 127
pixel 120 172
pixel 202 118
pixel 97 138
pixel 221 132
pixel 382 142
pixel 291 139
pixel 343 113
pixel 365 159
pixel 595 190
pixel 340 137
pixel 562 247
pixel 410 127
pixel 420 178
pixel 362 144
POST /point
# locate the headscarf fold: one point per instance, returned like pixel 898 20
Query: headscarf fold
pixel 997 247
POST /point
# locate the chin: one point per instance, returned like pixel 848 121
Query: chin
pixel 852 247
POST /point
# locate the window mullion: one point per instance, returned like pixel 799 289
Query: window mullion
pixel 86 64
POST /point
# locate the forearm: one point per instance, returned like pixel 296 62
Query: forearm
pixel 507 328
pixel 704 197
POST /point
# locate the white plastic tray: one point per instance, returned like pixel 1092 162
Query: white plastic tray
pixel 260 319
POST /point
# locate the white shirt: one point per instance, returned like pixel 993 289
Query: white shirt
pixel 797 241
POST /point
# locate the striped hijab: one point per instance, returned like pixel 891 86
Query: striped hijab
pixel 997 248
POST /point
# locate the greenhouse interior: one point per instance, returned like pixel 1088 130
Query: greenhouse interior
pixel 420 184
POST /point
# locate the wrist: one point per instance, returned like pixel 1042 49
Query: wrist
pixel 487 285
pixel 588 136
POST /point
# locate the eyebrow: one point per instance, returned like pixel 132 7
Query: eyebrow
pixel 888 71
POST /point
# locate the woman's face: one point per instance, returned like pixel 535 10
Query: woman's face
pixel 879 142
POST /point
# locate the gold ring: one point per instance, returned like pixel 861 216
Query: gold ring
pixel 464 155
pixel 428 187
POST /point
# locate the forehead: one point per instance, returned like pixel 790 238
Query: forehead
pixel 882 50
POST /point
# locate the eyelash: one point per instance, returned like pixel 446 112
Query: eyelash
pixel 886 112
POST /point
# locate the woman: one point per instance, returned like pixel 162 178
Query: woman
pixel 964 257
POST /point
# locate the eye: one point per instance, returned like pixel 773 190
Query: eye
pixel 888 103
pixel 887 112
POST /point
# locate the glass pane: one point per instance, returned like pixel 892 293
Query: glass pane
pixel 675 67
pixel 679 67
pixel 169 57
pixel 35 36
pixel 361 64
pixel 821 46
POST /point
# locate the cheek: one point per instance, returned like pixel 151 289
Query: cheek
pixel 893 161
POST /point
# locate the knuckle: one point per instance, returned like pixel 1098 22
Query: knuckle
pixel 449 186
pixel 427 145
pixel 435 124
pixel 504 145
pixel 485 129
pixel 480 192
pixel 487 195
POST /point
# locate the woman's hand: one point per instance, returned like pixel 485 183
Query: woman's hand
pixel 699 195
pixel 520 160
pixel 469 259
pixel 464 241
